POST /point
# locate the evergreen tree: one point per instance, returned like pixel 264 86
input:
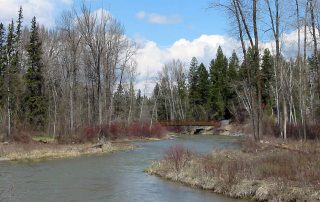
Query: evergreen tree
pixel 218 85
pixel 233 76
pixel 34 100
pixel 233 68
pixel 161 113
pixel 139 98
pixel 119 102
pixel 139 102
pixel 18 39
pixel 203 85
pixel 19 25
pixel 10 75
pixel 266 77
pixel 2 64
pixel 193 91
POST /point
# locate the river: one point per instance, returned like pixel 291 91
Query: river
pixel 115 177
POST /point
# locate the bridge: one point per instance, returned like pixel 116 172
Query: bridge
pixel 190 123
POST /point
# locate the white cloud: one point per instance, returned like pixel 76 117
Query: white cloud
pixel 151 58
pixel 156 18
pixel 44 10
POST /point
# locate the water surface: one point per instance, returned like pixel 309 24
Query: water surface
pixel 117 177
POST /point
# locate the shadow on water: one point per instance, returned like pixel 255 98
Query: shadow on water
pixel 115 177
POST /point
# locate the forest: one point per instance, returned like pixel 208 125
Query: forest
pixel 82 73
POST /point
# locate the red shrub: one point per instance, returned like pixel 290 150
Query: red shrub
pixel 118 130
pixel 22 137
pixel 90 134
pixel 145 130
pixel 177 155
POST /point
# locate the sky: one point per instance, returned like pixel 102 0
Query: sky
pixel 164 29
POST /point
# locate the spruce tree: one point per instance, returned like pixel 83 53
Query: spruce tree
pixel 18 40
pixel 193 91
pixel 19 25
pixel 2 64
pixel 203 85
pixel 35 106
pixel 233 76
pixel 162 114
pixel 119 102
pixel 266 77
pixel 10 76
pixel 218 85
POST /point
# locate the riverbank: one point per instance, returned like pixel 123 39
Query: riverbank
pixel 35 151
pixel 268 171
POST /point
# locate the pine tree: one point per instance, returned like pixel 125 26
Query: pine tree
pixel 233 68
pixel 10 75
pixel 266 77
pixel 2 64
pixel 203 85
pixel 119 102
pixel 139 98
pixel 193 91
pixel 18 39
pixel 218 85
pixel 34 100
pixel 233 75
pixel 161 112
pixel 19 25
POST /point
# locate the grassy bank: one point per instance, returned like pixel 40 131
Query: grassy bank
pixel 27 144
pixel 37 151
pixel 268 171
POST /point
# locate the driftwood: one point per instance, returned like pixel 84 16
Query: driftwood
pixel 97 146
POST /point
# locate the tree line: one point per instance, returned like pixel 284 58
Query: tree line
pixel 295 84
pixel 275 92
pixel 57 80
pixel 83 73
pixel 208 93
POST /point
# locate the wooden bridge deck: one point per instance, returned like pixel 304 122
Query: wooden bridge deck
pixel 190 123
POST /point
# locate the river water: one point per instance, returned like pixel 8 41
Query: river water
pixel 115 177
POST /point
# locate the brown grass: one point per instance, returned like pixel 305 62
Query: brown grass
pixel 268 171
pixel 36 151
pixel 177 155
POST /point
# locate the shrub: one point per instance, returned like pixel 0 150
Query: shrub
pixel 90 134
pixel 119 130
pixel 177 156
pixel 294 131
pixel 115 131
pixel 21 137
pixel 249 145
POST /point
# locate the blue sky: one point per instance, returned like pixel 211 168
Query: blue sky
pixel 189 18
pixel 164 29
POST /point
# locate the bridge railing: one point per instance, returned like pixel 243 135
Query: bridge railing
pixel 190 123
